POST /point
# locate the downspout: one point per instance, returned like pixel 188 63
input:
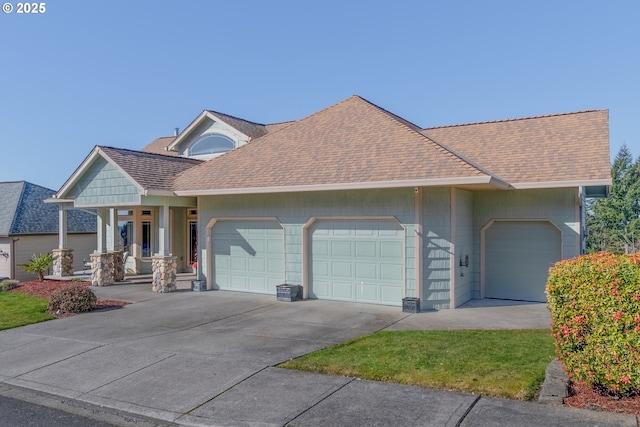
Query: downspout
pixel 12 272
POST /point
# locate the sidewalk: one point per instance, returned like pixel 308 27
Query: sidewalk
pixel 208 358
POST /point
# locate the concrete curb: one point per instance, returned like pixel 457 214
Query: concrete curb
pixel 556 384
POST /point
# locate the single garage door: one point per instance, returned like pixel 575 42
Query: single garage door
pixel 248 255
pixel 357 260
pixel 518 255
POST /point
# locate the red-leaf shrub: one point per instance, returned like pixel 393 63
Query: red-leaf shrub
pixel 594 302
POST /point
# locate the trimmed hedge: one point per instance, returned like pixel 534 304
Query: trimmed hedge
pixel 594 302
pixel 72 299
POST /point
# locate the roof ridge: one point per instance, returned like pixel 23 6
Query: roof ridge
pixel 515 119
pixel 417 131
pixel 234 117
pixel 148 153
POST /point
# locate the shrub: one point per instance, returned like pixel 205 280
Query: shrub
pixel 7 285
pixel 594 302
pixel 38 264
pixel 72 299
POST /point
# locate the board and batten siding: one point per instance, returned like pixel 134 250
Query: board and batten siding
pixel 294 210
pixel 104 185
pixel 558 205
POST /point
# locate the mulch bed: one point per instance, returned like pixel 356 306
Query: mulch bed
pixel 45 288
pixel 580 396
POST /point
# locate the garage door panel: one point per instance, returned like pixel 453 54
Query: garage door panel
pixel 248 255
pixel 341 269
pixel 518 257
pixel 366 270
pixel 366 249
pixel 340 249
pixel 353 260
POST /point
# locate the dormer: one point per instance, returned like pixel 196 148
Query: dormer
pixel 212 134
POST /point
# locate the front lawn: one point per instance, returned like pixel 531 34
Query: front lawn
pixel 17 309
pixel 509 364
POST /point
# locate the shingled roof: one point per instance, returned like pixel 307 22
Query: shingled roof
pixel 529 151
pixel 159 146
pixel 352 144
pixel 23 212
pixel 151 171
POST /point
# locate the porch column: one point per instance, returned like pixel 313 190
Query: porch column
pixel 112 229
pixel 63 264
pixel 62 227
pixel 163 264
pixel 164 236
pixel 102 231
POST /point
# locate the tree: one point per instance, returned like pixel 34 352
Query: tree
pixel 38 264
pixel 614 222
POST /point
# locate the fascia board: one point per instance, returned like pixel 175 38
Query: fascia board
pixel 561 184
pixel 438 182
pixel 73 179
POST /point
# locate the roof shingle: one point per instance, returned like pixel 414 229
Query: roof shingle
pixel 350 142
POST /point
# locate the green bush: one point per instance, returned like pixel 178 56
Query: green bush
pixel 38 264
pixel 72 299
pixel 594 302
pixel 8 284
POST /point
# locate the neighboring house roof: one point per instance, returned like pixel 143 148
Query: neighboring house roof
pixel 23 211
pixel 160 146
pixel 527 152
pixel 352 144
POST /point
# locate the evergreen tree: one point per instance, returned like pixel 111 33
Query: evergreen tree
pixel 614 222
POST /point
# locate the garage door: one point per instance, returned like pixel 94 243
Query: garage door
pixel 518 255
pixel 357 260
pixel 248 255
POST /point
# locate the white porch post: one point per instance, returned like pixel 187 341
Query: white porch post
pixel 164 246
pixel 112 230
pixel 62 227
pixel 102 231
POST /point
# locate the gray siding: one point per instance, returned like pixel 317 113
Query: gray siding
pixel 436 248
pixel 5 262
pixel 104 185
pixel 464 242
pixel 556 205
pixel 82 244
pixel 293 210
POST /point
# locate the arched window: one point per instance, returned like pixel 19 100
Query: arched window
pixel 211 144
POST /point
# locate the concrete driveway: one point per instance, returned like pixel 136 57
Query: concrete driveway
pixel 208 359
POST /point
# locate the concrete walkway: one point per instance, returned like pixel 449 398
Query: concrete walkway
pixel 207 358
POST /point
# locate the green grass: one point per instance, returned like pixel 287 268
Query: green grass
pixel 509 364
pixel 17 309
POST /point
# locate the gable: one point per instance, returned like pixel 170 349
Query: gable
pixel 208 126
pixel 103 184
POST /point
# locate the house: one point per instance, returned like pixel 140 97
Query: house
pixel 29 226
pixel 352 202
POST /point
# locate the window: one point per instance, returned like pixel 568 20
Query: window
pixel 193 241
pixel 125 230
pixel 146 238
pixel 211 144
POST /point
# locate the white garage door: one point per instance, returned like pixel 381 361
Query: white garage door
pixel 518 255
pixel 357 260
pixel 248 255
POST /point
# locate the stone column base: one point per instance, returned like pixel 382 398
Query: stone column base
pixel 118 265
pixel 164 273
pixel 63 265
pixel 102 271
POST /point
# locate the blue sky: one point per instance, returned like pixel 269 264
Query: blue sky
pixel 121 73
